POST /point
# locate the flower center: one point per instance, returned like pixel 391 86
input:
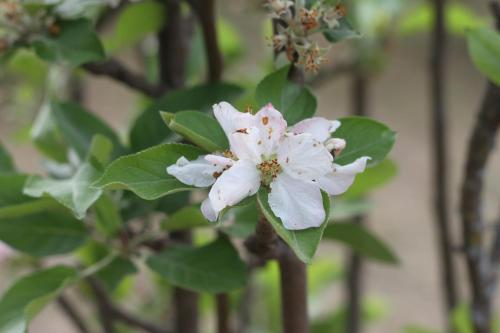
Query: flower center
pixel 269 170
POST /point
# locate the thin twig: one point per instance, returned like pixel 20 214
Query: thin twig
pixel 115 313
pixel 479 264
pixel 223 314
pixel 73 314
pixel 440 157
pixel 117 71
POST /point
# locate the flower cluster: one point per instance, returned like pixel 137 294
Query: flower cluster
pixel 296 24
pixel 295 163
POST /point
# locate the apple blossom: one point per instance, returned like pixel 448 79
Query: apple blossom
pixel 294 163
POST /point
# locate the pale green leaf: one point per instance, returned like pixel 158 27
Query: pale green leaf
pixel 484 49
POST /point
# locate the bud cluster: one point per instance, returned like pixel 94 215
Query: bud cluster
pixel 296 24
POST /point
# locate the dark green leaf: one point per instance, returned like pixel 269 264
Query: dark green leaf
pixel 6 164
pixel 343 31
pixel 185 218
pixel 115 272
pixel 199 128
pixel 213 268
pixel 148 129
pixel 26 297
pixel 295 102
pixel 303 242
pixel 77 44
pixel 364 137
pixel 484 49
pixel 372 178
pixel 145 174
pixel 78 127
pixel 135 22
pixel 361 240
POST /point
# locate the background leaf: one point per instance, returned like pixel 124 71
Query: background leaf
pixel 364 137
pixel 295 102
pixel 360 240
pixel 213 268
pixel 343 31
pixel 303 242
pixel 6 163
pixel 76 44
pixel 145 174
pixel 484 49
pixel 185 218
pixel 26 297
pixel 198 128
pixel 371 179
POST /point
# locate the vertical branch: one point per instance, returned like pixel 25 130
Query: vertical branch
pixel 223 314
pixel 174 41
pixel 440 151
pixel 355 269
pixel 481 267
pixel 73 314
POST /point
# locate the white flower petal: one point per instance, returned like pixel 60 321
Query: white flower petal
pixel 304 158
pixel 320 128
pixel 231 119
pixel 247 144
pixel 342 177
pixel 208 211
pixel 219 160
pixel 298 204
pixel 272 127
pixel 199 173
pixel 237 183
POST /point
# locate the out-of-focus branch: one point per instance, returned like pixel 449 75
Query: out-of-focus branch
pixel 440 158
pixel 113 312
pixel 223 314
pixel 73 314
pixel 116 70
pixel 481 267
pixel 205 10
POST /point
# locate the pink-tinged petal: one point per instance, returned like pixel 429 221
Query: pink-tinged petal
pixel 342 177
pixel 272 127
pixel 297 203
pixel 5 251
pixel 231 119
pixel 208 211
pixel 237 183
pixel 303 157
pixel 335 145
pixel 247 144
pixel 218 160
pixel 199 172
pixel 319 128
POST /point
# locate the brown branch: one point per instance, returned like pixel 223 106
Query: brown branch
pixel 73 314
pixel 115 313
pixel 223 314
pixel 117 71
pixel 440 158
pixel 479 265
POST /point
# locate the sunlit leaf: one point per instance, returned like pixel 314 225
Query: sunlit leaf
pixel 484 49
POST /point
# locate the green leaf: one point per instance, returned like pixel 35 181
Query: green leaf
pixel 484 49
pixel 461 319
pixel 78 127
pixel 145 174
pixel 361 240
pixel 43 234
pixel 342 209
pixel 240 221
pixel 343 31
pixel 107 215
pixel 213 268
pixel 75 193
pixel 135 22
pixel 418 329
pixel 303 242
pixel 148 129
pixel 185 218
pixel 372 178
pixel 199 128
pixel 295 102
pixel 115 272
pixel 6 164
pixel 77 44
pixel 364 137
pixel 46 135
pixel 26 297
